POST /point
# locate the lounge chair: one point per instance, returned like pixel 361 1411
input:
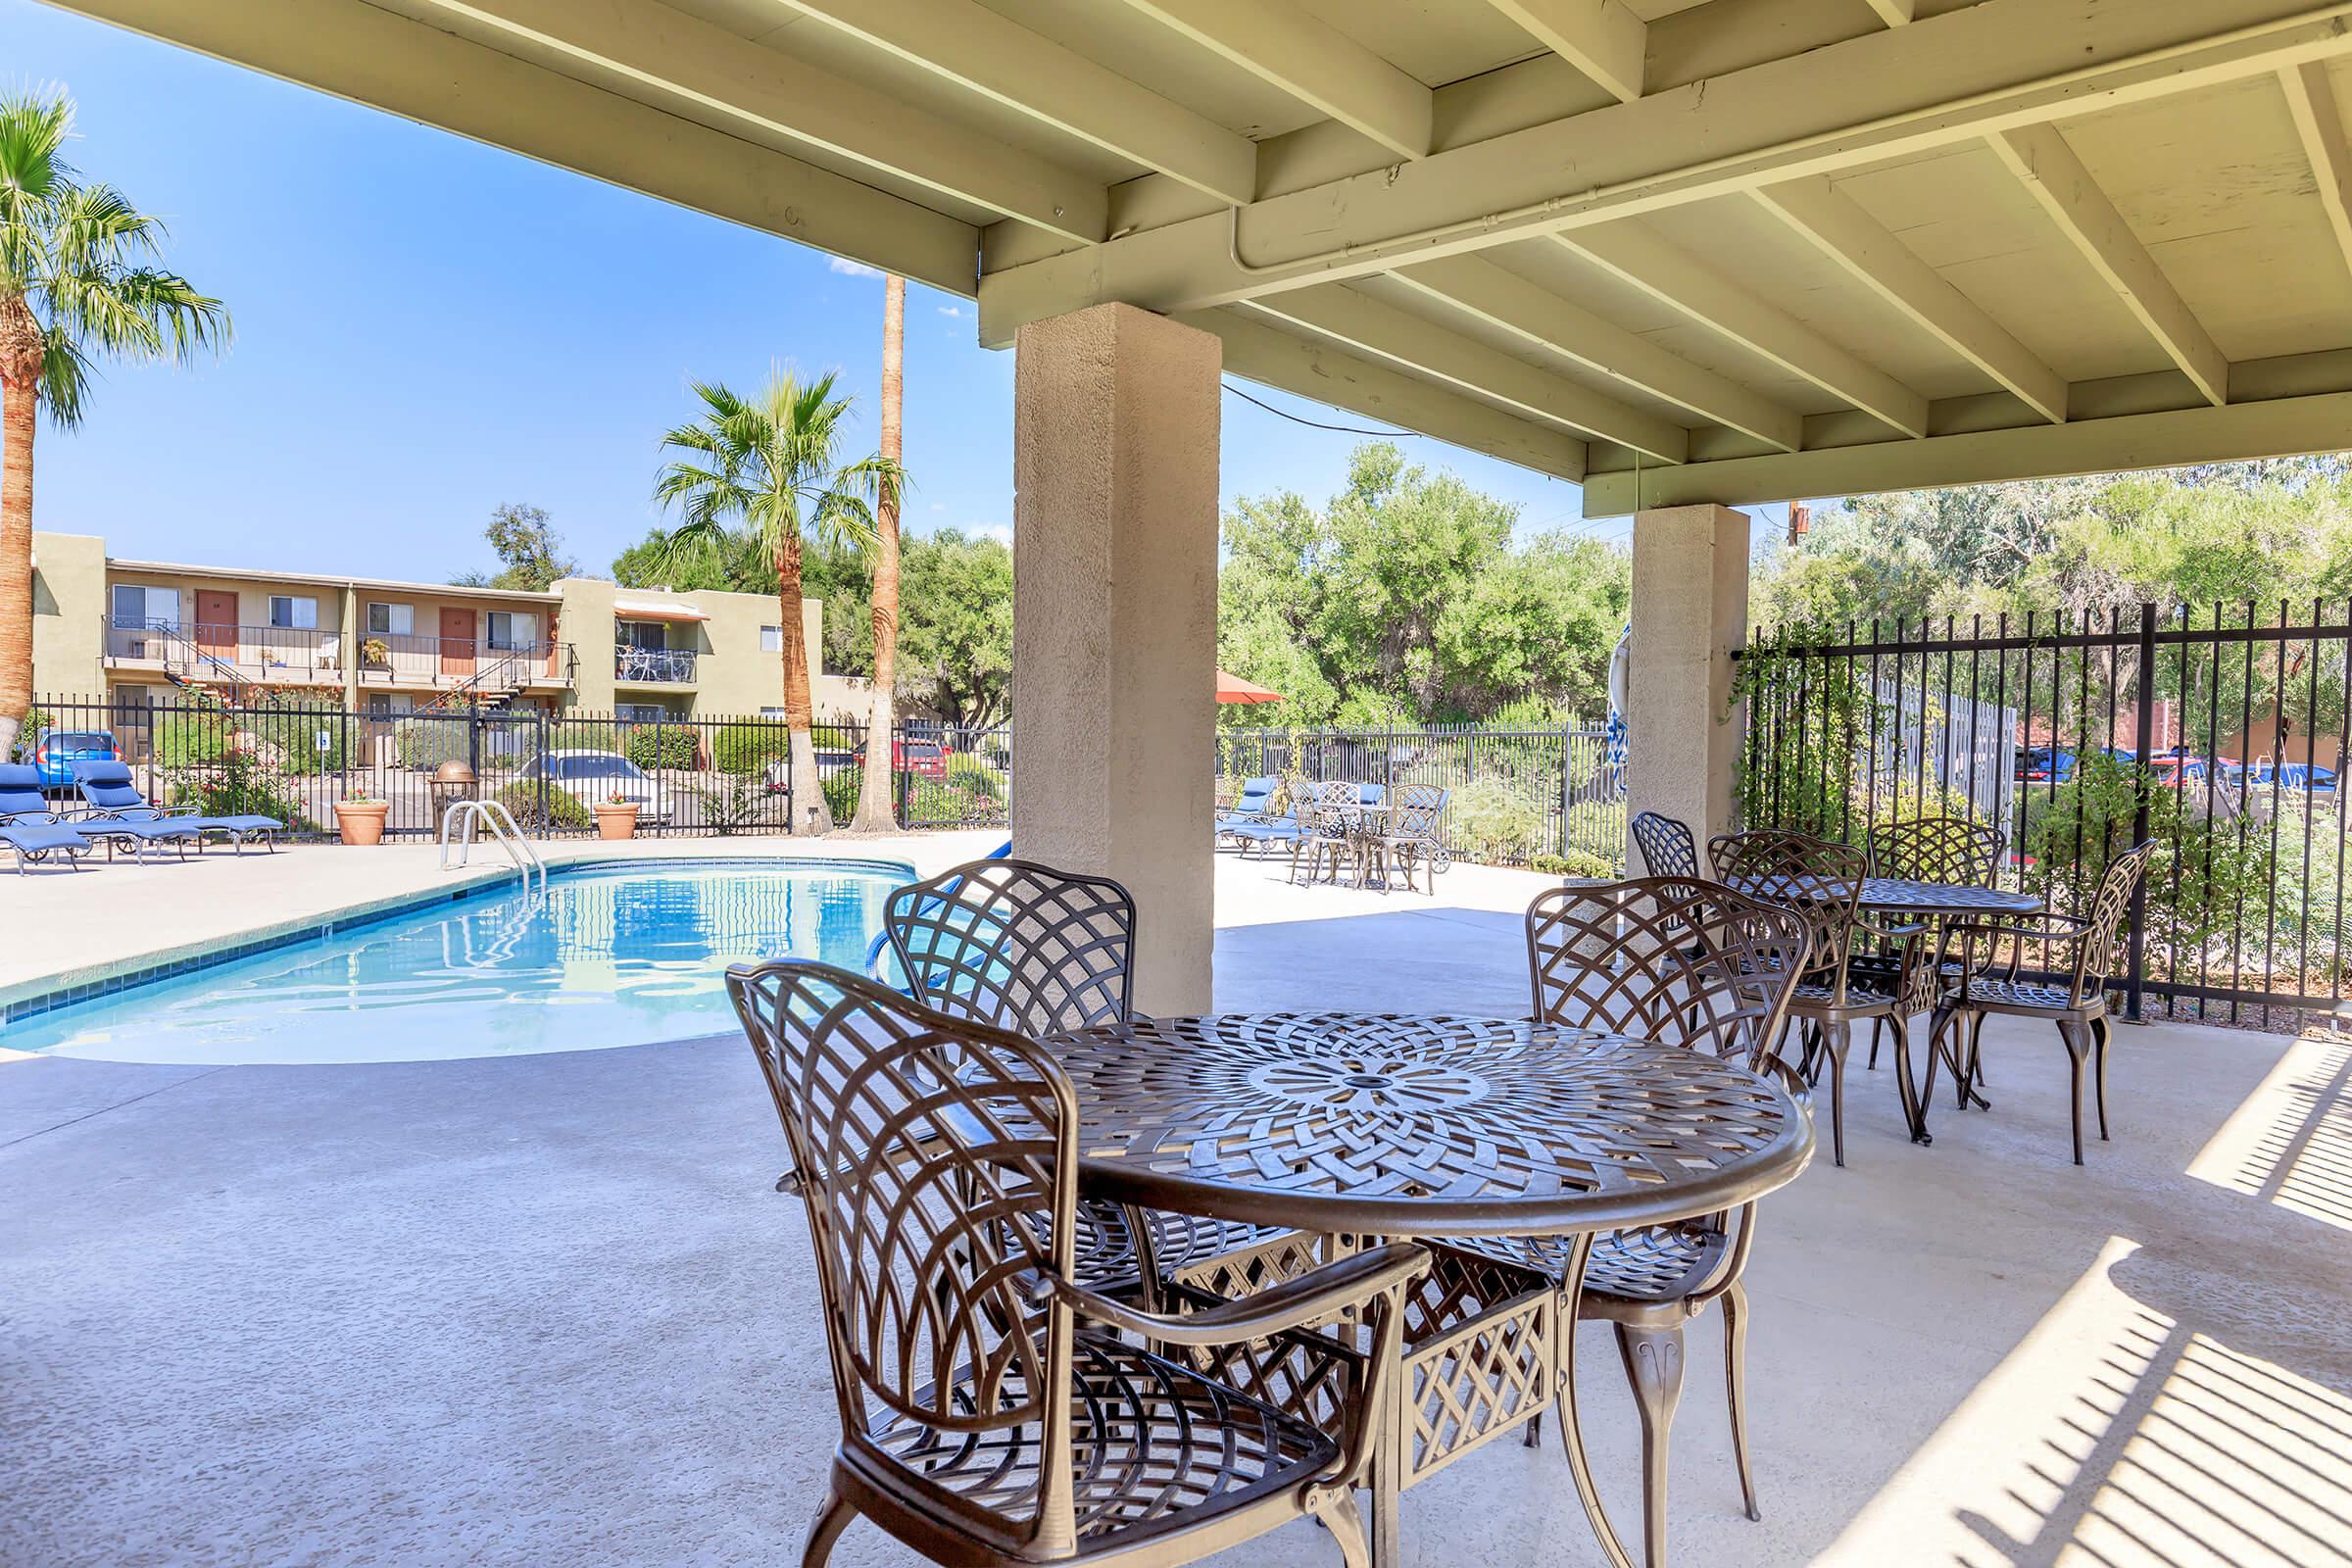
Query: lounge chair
pixel 1258 794
pixel 108 787
pixel 114 810
pixel 28 826
pixel 1285 831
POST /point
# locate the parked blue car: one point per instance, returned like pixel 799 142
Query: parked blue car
pixel 57 751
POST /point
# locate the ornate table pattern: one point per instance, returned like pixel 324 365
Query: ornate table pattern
pixel 1350 1126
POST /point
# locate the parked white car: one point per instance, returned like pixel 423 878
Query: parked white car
pixel 593 778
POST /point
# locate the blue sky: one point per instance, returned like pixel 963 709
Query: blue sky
pixel 426 328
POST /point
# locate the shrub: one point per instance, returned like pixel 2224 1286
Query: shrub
pixel 975 775
pixel 193 739
pixel 290 739
pixel 660 746
pixel 841 795
pixel 748 748
pixel 425 744
pixel 542 811
pixel 735 802
pixel 1496 822
pixel 236 783
pixel 1576 863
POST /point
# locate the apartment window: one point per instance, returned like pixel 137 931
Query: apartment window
pixel 771 713
pixel 772 639
pixel 294 612
pixel 139 608
pixel 640 713
pixel 506 628
pixel 391 620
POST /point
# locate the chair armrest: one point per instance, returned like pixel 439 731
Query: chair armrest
pixel 1312 1297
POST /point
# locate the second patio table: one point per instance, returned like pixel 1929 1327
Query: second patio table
pixel 1431 1127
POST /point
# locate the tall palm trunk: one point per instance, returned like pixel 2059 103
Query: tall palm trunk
pixel 20 393
pixel 874 806
pixel 810 813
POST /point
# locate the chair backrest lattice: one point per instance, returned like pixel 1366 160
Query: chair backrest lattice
pixel 1674 959
pixel 937 1159
pixel 1420 809
pixel 1820 880
pixel 2095 954
pixel 1017 945
pixel 1667 846
pixel 1937 849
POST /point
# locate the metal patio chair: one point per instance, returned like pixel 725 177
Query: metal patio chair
pixel 1822 882
pixel 1932 849
pixel 1688 962
pixel 2056 967
pixel 1414 836
pixel 1667 846
pixel 995 1410
pixel 1023 947
pixel 1334 827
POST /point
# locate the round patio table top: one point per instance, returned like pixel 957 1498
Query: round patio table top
pixel 1945 898
pixel 1414 1125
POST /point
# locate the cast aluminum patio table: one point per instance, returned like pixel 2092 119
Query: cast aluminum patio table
pixel 1948 900
pixel 1428 1127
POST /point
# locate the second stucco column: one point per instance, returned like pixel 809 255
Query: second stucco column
pixel 1683 736
pixel 1115 623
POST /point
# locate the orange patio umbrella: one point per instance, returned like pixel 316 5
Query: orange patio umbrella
pixel 1233 689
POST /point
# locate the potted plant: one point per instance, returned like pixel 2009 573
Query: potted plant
pixel 375 653
pixel 359 817
pixel 617 817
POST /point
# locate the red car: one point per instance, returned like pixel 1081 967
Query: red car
pixel 923 759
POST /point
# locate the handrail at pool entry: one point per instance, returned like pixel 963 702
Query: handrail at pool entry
pixel 494 815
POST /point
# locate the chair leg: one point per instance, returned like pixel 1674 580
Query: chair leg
pixel 1876 1025
pixel 1835 1041
pixel 825 1529
pixel 1346 1522
pixel 1735 1371
pixel 2076 1036
pixel 1531 1436
pixel 2102 1035
pixel 1653 1364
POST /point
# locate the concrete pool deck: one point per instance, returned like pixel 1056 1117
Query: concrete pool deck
pixel 546 1310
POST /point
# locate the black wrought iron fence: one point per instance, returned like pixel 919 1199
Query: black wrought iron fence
pixel 1515 796
pixel 2219 731
pixel 294 759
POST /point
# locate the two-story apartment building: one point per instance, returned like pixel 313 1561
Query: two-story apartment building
pixel 129 633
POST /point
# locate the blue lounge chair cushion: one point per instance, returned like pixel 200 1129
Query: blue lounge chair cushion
pixel 107 787
pixel 40 837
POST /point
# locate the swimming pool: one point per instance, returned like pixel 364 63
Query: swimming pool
pixel 617 955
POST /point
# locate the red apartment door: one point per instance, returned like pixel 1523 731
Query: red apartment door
pixel 457 642
pixel 217 621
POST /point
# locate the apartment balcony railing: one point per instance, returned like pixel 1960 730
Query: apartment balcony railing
pixel 654 666
pixel 293 655
pixel 399 659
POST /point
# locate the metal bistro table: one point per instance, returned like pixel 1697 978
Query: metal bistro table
pixel 1942 901
pixel 1431 1127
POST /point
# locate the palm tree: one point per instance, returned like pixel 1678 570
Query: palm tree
pixel 875 812
pixel 77 284
pixel 771 467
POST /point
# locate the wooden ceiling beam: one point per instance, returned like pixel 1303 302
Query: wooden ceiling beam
pixel 1842 231
pixel 1662 269
pixel 2319 123
pixel 1310 60
pixel 984 52
pixel 2040 157
pixel 1510 303
pixel 1602 38
pixel 1381 330
pixel 711 69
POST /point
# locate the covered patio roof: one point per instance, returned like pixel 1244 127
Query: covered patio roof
pixel 1727 250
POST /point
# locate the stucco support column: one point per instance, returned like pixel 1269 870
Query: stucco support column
pixel 1689 611
pixel 1115 623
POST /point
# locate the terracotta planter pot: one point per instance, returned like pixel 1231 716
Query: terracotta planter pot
pixel 362 821
pixel 615 822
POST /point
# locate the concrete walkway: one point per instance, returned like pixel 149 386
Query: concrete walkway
pixel 544 1311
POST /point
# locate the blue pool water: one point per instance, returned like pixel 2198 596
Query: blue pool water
pixel 605 957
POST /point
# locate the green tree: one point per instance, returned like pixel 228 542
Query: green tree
pixel 955 643
pixel 530 553
pixel 78 284
pixel 1406 600
pixel 771 467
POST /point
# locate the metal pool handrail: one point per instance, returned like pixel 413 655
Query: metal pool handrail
pixel 500 822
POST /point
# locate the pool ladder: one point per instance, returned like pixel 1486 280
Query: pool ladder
pixel 458 826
